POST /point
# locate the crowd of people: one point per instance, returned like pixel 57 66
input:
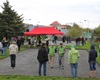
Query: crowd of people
pixel 81 41
pixel 44 56
pixel 33 39
pixel 4 43
pixel 13 45
pixel 47 54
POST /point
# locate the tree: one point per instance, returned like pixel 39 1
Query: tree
pixel 97 31
pixel 75 31
pixel 87 30
pixel 11 23
pixel 68 26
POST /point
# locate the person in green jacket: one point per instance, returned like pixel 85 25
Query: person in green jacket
pixel 61 52
pixel 73 57
pixel 52 49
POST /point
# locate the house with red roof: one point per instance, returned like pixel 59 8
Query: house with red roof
pixel 56 24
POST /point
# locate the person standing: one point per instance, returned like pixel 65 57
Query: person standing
pixel 61 52
pixel 29 41
pixel 53 39
pixel 13 49
pixel 82 41
pixel 19 42
pixel 92 61
pixel 79 40
pixel 76 41
pixel 67 39
pixel 42 57
pixel 64 39
pixel 39 40
pixel 22 39
pixel 52 49
pixel 47 41
pixel 2 49
pixel 73 56
pixel 5 45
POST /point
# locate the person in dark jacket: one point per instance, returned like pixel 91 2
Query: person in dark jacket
pixel 82 41
pixel 76 41
pixel 19 42
pixel 92 60
pixel 5 45
pixel 42 58
pixel 63 38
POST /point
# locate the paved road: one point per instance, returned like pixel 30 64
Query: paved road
pixel 27 64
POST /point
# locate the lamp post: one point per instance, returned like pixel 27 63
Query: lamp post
pixel 88 26
pixel 26 25
pixel 82 28
pixel 38 24
pixel 92 36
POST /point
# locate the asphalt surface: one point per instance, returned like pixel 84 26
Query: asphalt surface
pixel 27 64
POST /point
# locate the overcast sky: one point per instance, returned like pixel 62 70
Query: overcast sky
pixel 44 12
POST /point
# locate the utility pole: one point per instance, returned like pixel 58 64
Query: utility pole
pixel 88 26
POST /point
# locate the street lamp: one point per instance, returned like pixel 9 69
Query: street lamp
pixel 82 28
pixel 92 36
pixel 88 26
pixel 88 22
pixel 37 24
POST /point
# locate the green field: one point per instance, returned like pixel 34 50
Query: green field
pixel 18 77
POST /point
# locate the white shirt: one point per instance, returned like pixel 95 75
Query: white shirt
pixel 13 48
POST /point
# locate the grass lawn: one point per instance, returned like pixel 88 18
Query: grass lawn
pixel 23 47
pixel 98 60
pixel 18 77
pixel 85 47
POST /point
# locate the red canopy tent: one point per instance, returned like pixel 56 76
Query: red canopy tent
pixel 44 31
